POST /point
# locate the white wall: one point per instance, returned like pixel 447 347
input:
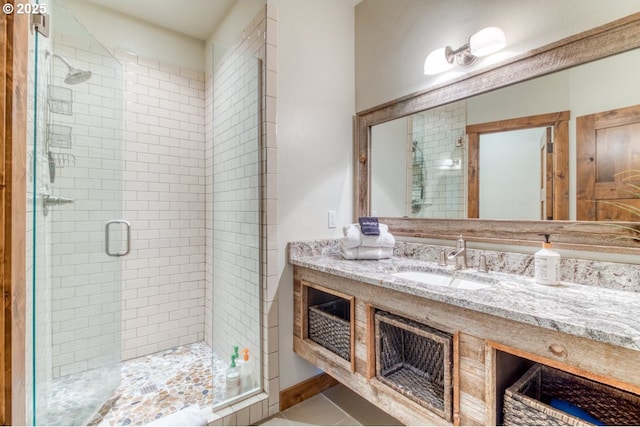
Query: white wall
pixel 315 106
pixel 393 38
pixel 231 28
pixel 543 95
pixel 510 180
pixel 389 159
pixel 140 37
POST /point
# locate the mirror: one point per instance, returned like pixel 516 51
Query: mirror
pixel 439 134
pixel 414 171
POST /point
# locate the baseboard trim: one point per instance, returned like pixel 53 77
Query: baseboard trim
pixel 305 390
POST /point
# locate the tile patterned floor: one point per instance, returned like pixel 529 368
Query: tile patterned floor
pixel 67 400
pixel 157 385
pixel 151 387
pixel 337 406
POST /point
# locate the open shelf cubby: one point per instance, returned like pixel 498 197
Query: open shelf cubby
pixel 530 393
pixel 330 320
pixel 415 360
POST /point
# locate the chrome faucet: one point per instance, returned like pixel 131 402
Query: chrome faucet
pixel 460 254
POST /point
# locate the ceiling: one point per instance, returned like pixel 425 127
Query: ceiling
pixel 195 18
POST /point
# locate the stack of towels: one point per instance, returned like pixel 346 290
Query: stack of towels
pixel 367 240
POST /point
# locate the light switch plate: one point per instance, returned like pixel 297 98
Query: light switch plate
pixel 331 219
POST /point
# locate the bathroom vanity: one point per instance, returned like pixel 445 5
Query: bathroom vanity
pixel 485 329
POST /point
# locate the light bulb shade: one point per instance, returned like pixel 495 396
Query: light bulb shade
pixel 436 62
pixel 487 41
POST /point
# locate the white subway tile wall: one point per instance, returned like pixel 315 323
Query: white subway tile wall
pixel 86 148
pixel 236 206
pixel 234 101
pixel 259 40
pixel 436 132
pixel 164 200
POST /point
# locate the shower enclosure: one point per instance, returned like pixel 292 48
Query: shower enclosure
pixel 77 236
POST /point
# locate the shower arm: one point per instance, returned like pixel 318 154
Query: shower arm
pixel 64 60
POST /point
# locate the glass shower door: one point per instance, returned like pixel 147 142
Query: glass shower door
pixel 78 237
pixel 236 255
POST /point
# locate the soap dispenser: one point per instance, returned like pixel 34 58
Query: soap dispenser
pixel 547 264
pixel 232 378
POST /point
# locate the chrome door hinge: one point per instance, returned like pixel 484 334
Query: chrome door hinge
pixel 40 23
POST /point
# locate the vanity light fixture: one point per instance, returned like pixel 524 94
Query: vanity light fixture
pixel 450 165
pixel 485 42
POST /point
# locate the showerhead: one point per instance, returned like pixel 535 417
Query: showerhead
pixel 75 75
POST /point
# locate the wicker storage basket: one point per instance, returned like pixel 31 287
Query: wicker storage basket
pixel 526 401
pixel 415 360
pixel 329 326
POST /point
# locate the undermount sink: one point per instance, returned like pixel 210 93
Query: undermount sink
pixel 425 277
pixel 436 279
pixel 470 285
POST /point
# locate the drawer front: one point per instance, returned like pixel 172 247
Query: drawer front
pixel 599 361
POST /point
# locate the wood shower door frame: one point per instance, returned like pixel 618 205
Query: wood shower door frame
pixel 14 36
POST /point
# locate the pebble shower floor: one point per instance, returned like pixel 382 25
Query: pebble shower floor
pixel 154 386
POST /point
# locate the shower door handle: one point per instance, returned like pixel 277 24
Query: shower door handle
pixel 107 239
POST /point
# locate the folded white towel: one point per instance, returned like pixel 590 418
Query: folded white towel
pixel 364 252
pixel 354 238
pixel 189 416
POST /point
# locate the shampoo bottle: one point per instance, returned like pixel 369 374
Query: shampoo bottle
pixel 246 375
pixel 547 264
pixel 232 378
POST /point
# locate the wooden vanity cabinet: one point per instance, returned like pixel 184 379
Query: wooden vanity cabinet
pixel 469 380
pixel 489 352
pixel 360 374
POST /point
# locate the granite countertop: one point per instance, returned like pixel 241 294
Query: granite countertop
pixel 607 315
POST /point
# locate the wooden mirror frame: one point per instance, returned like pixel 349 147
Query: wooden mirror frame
pixel 615 37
